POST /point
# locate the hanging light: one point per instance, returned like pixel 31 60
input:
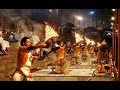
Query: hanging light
pixel 112 18
pixel 113 10
pixel 112 24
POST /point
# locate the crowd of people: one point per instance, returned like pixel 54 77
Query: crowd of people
pixel 31 48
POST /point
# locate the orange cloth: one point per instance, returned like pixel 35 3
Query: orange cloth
pixel 60 52
pixel 60 55
pixel 91 50
pixel 22 55
pixel 77 51
pixel 100 68
pixel 85 51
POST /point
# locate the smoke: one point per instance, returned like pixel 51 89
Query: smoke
pixel 19 19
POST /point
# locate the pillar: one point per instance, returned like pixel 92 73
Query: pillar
pixel 118 44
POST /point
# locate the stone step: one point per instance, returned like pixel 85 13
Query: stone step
pixel 74 75
pixel 72 78
pixel 9 56
pixel 79 66
pixel 82 66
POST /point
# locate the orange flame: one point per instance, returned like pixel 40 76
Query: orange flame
pixel 78 37
pixel 49 32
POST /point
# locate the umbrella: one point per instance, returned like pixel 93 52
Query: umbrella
pixel 90 29
pixel 70 24
pixel 94 35
pixel 54 38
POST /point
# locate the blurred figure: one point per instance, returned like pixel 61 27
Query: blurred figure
pixel 34 40
pixel 6 33
pixel 92 52
pixel 103 54
pixel 86 54
pixel 16 38
pixel 77 54
pixel 11 37
pixel 68 44
pixel 62 64
pixel 4 44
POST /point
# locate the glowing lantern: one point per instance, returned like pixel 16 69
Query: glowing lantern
pixel 49 32
pixel 78 37
pixel 87 40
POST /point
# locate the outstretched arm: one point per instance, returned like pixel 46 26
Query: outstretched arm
pixel 43 45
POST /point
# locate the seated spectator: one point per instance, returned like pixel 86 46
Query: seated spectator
pixel 35 40
pixel 4 44
pixel 16 36
pixel 11 37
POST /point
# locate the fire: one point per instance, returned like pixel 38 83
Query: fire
pixel 87 40
pixel 49 32
pixel 92 42
pixel 98 44
pixel 78 37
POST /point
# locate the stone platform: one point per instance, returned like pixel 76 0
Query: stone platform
pixel 74 75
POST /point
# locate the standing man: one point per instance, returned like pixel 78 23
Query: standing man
pixel 24 60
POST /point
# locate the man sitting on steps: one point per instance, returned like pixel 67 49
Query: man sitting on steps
pixel 4 45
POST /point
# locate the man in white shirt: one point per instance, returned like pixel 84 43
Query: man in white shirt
pixel 25 60
pixel 34 40
pixel 4 44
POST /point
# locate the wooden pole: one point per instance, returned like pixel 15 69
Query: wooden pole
pixel 115 38
pixel 113 42
pixel 118 44
pixel 114 46
pixel 73 20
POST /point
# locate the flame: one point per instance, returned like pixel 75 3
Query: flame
pixel 87 40
pixel 92 42
pixel 49 32
pixel 98 44
pixel 78 37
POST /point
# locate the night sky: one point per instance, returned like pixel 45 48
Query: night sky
pixel 69 14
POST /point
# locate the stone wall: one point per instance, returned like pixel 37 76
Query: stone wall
pixel 7 65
